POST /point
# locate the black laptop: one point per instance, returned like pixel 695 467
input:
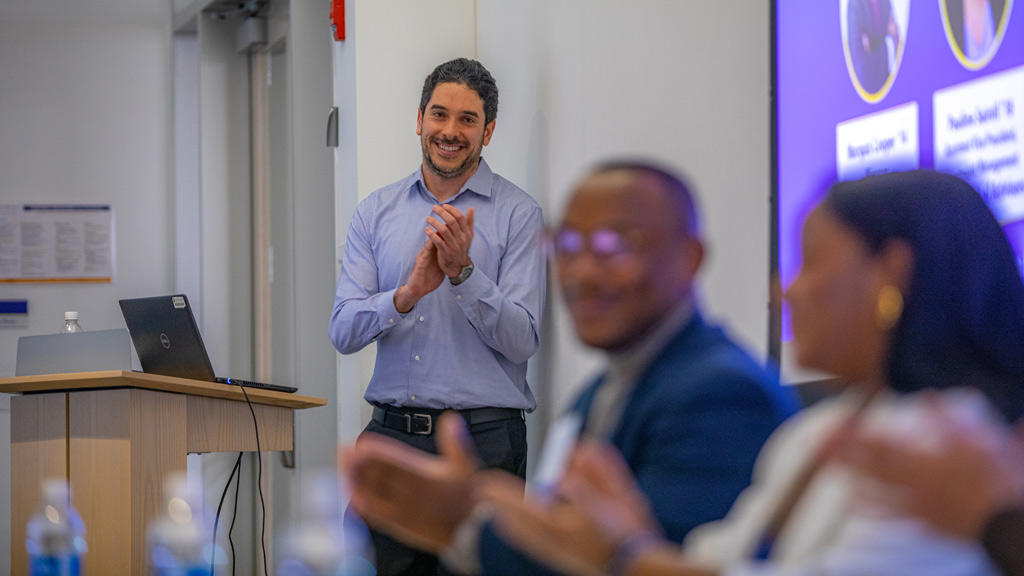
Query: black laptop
pixel 167 341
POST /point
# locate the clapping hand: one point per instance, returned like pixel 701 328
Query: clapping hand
pixel 451 232
pixel 599 506
pixel 966 473
pixel 416 497
pixel 425 277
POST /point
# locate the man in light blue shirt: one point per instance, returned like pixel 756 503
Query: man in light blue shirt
pixel 445 270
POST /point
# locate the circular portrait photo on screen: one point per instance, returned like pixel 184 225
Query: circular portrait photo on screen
pixel 874 34
pixel 974 28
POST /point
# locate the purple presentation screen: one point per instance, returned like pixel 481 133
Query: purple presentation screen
pixel 871 86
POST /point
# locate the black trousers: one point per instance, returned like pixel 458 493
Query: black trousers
pixel 499 444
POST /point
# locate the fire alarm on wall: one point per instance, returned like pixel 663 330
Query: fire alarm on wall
pixel 338 19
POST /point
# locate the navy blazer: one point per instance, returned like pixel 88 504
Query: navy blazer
pixel 690 432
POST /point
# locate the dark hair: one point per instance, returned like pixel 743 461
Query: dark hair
pixel 469 73
pixel 674 185
pixel 963 315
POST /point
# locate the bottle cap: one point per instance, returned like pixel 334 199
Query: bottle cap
pixel 71 315
pixel 56 492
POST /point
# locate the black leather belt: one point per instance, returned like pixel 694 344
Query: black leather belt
pixel 421 420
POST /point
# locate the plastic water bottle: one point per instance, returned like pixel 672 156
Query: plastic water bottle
pixel 178 542
pixel 56 534
pixel 324 541
pixel 71 325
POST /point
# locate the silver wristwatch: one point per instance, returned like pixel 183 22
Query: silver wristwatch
pixel 466 271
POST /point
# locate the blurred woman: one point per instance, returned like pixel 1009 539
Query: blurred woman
pixel 908 283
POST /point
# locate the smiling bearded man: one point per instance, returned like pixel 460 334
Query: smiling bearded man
pixel 445 271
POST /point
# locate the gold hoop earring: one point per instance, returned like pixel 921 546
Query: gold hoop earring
pixel 889 308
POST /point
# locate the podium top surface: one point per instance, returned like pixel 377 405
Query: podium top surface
pixel 125 379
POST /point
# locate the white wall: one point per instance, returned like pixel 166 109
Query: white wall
pixel 86 109
pixel 85 117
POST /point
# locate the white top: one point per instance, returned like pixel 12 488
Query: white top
pixel 843 524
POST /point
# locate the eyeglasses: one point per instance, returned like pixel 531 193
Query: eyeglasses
pixel 567 243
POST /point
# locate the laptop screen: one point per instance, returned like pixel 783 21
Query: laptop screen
pixel 166 337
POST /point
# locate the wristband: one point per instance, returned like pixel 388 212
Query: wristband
pixel 627 551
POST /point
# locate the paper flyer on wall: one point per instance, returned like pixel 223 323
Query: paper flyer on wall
pixel 56 243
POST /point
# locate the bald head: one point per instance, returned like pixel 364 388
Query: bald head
pixel 627 252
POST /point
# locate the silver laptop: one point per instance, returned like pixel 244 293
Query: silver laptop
pixel 167 340
pixel 91 351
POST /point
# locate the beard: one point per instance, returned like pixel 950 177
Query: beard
pixel 470 163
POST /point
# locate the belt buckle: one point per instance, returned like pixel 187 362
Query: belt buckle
pixel 408 424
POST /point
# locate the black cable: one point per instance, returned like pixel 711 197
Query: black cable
pixel 234 516
pixel 213 551
pixel 259 480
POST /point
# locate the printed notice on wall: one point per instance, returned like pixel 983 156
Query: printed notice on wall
pixel 56 243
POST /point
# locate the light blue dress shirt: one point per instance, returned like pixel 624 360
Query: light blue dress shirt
pixel 462 346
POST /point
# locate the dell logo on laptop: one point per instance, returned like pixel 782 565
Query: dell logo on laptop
pixel 165 340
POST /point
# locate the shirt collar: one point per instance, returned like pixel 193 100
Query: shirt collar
pixel 479 183
pixel 626 366
pixel 638 356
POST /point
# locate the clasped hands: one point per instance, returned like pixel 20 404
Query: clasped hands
pixel 445 253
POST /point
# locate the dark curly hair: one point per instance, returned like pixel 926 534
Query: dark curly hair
pixel 469 73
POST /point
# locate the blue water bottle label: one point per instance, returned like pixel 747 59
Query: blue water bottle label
pixel 55 566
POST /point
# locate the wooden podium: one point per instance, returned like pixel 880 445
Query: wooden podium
pixel 115 436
